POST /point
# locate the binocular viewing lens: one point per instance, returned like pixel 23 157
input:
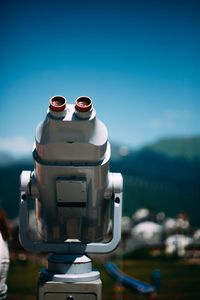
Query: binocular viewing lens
pixel 83 104
pixel 57 103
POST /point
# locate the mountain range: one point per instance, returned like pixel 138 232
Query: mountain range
pixel 162 176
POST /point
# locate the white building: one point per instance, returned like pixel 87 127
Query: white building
pixel 147 233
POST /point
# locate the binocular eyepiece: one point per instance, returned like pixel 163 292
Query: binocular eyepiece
pixel 58 103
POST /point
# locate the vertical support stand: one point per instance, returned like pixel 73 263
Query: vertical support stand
pixel 69 277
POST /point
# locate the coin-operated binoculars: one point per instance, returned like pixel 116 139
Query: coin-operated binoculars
pixel 74 195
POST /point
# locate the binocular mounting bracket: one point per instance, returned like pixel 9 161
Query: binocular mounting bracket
pixel 70 247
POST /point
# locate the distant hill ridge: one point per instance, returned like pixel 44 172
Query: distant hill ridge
pixel 179 146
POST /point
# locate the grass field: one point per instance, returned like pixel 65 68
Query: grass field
pixel 180 280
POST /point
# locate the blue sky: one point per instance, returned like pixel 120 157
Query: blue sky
pixel 138 60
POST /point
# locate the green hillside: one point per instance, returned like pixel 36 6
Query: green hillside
pixel 186 147
pixel 160 183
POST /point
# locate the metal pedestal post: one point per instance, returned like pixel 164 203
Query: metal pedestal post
pixel 69 277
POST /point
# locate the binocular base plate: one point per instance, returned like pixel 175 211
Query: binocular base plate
pixel 70 291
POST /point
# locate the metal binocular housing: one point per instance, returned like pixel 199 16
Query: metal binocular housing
pixel 73 190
